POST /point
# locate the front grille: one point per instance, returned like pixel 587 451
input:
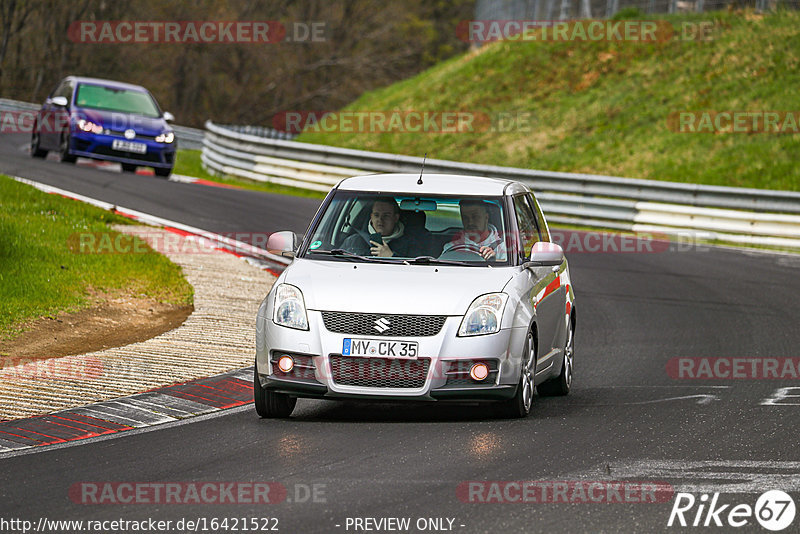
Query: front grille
pixel 80 144
pixel 154 157
pixel 366 324
pixel 379 372
pixel 121 133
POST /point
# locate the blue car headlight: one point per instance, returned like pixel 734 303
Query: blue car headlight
pixel 89 126
pixel 484 315
pixel 290 309
pixel 166 137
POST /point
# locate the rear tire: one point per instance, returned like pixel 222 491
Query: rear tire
pixel 560 385
pixel 63 152
pixel 270 404
pixel 519 406
pixel 36 152
pixel 162 172
pixel 128 167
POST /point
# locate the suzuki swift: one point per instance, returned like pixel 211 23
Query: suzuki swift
pixel 418 288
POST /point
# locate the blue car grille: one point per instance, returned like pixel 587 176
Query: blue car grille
pixel 121 133
pixel 154 157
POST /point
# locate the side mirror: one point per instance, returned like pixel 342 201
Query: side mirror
pixel 283 243
pixel 60 101
pixel 546 255
pixel 169 117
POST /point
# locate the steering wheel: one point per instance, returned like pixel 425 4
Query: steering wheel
pixel 463 252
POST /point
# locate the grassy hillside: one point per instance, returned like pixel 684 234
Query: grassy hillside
pixel 602 107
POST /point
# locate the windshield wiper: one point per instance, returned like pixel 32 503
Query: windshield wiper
pixel 427 260
pixel 342 253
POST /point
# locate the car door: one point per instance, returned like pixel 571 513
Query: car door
pixel 53 119
pixel 546 293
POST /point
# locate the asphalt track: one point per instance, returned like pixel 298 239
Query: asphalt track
pixel 627 419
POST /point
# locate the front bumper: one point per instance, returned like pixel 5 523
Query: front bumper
pixel 98 146
pixel 444 375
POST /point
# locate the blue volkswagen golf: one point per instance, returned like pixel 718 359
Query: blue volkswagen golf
pixel 105 120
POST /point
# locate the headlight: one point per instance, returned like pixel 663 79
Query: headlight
pixel 88 126
pixel 166 137
pixel 289 309
pixel 484 315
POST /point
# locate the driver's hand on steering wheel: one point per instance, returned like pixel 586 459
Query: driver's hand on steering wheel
pixel 486 252
pixel 381 249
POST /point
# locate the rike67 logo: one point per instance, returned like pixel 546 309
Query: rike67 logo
pixel 774 510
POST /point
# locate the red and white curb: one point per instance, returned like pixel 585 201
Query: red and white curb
pixel 160 406
pixel 156 407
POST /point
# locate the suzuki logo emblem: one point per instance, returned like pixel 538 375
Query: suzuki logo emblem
pixel 130 134
pixel 382 325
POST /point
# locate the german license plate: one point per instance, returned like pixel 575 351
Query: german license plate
pixel 129 146
pixel 380 348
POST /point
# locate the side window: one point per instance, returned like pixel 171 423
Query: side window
pixel 540 222
pixel 64 89
pixel 526 223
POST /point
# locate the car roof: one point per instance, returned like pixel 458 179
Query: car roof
pixel 432 184
pixel 106 83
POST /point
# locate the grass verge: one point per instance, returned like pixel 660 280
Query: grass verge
pixel 40 275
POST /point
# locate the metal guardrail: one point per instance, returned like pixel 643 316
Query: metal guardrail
pixel 260 131
pixel 568 198
pixel 191 138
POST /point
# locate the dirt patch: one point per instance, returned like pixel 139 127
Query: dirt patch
pixel 113 321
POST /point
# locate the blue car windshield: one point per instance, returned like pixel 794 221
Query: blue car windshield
pixel 397 227
pixel 111 99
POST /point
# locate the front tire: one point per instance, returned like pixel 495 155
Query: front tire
pixel 162 172
pixel 36 152
pixel 560 385
pixel 519 406
pixel 270 404
pixel 63 152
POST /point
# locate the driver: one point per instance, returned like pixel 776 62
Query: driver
pixel 384 219
pixel 479 234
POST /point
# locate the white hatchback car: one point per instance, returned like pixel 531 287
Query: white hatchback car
pixel 418 288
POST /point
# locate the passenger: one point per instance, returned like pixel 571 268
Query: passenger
pixel 478 235
pixel 384 220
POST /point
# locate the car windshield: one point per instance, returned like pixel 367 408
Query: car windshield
pixel 428 229
pixel 111 99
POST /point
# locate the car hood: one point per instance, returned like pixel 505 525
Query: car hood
pixel 400 289
pixel 119 121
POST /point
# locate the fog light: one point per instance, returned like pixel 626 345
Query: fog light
pixel 285 363
pixel 479 371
